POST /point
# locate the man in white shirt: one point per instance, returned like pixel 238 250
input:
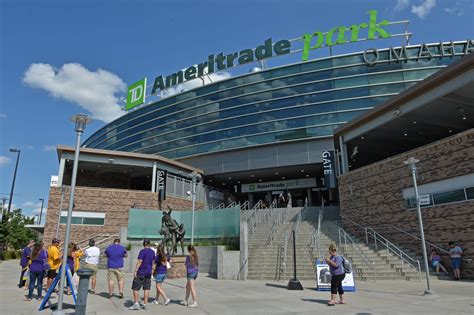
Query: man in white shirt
pixel 91 255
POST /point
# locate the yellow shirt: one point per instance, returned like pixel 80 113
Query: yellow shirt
pixel 78 256
pixel 54 257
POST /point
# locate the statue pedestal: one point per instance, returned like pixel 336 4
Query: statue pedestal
pixel 178 267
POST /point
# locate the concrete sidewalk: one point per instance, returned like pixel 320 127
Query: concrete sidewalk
pixel 259 297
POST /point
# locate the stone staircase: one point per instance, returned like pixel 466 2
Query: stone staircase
pixel 266 259
pixel 102 241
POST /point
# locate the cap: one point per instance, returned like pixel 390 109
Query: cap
pixel 146 241
pixel 55 240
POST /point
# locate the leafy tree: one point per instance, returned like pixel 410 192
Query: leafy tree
pixel 14 231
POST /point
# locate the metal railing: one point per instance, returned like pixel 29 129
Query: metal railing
pixel 428 243
pixel 282 216
pixel 244 206
pixel 394 249
pixel 345 240
pixel 284 253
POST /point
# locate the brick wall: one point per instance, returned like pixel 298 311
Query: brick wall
pixel 372 196
pixel 115 203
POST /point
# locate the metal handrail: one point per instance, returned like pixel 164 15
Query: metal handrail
pixel 428 243
pixel 244 206
pixel 278 221
pixel 391 247
pixel 232 204
pixel 369 263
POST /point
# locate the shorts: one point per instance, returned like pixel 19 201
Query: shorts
pixel 93 268
pixel 456 263
pixel 159 278
pixel 435 263
pixel 192 275
pixel 140 282
pixel 52 273
pixel 116 273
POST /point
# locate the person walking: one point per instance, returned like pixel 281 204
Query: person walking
pixel 54 261
pixel 92 260
pixel 78 253
pixel 455 252
pixel 24 261
pixel 192 263
pixel 38 258
pixel 338 274
pixel 115 260
pixel 142 275
pixel 71 258
pixel 160 269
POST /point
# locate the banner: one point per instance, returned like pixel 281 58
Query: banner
pixel 161 184
pixel 323 278
pixel 329 169
pixel 282 184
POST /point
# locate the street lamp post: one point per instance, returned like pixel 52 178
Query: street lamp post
pixel 195 177
pixel 411 162
pixel 41 211
pixel 14 179
pixel 63 190
pixel 81 121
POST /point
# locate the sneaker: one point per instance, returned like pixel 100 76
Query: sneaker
pixel 121 295
pixel 193 305
pixel 135 307
pixel 144 307
pixel 183 302
pixel 155 302
pixel 167 302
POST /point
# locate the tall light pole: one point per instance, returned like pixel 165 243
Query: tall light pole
pixel 411 162
pixel 81 121
pixel 195 178
pixel 63 190
pixel 41 211
pixel 14 179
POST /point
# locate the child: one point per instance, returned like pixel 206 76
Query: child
pixel 160 271
pixel 192 263
pixel 436 262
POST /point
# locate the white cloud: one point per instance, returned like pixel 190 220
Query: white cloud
pixel 94 91
pixel 424 9
pixel 49 148
pixel 401 5
pixel 213 77
pixel 38 210
pixel 29 147
pixel 2 115
pixel 455 10
pixel 4 160
pixel 29 204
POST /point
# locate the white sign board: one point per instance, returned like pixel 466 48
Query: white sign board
pixel 214 194
pixel 54 181
pixel 323 279
pixel 281 184
pixel 425 200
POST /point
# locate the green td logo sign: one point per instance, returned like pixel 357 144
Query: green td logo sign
pixel 136 94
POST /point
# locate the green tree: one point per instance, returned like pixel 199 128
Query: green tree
pixel 14 231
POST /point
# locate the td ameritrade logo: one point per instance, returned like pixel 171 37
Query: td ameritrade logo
pixel 310 41
pixel 336 36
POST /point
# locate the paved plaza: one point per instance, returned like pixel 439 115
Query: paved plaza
pixel 260 297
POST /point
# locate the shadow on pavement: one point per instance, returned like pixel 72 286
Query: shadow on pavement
pixel 281 286
pixel 316 301
pixel 104 295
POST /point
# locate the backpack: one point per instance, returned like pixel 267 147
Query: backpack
pixel 347 265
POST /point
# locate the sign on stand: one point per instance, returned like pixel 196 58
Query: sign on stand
pixel 425 200
pixel 323 278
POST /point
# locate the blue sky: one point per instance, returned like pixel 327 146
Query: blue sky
pixel 52 52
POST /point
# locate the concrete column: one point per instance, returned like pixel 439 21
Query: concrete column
pixel 153 178
pixel 310 197
pixel 251 203
pixel 62 165
pixel 344 157
pixel 244 251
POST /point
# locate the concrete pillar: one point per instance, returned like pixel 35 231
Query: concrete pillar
pixel 153 178
pixel 344 156
pixel 251 203
pixel 82 291
pixel 62 165
pixel 310 197
pixel 244 251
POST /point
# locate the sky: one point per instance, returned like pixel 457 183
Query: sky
pixel 60 58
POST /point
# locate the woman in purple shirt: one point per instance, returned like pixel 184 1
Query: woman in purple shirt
pixel 38 258
pixel 192 263
pixel 338 274
pixel 159 271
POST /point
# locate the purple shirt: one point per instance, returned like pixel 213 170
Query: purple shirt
pixel 115 254
pixel 339 270
pixel 160 267
pixel 435 258
pixel 25 257
pixel 146 255
pixel 38 264
pixel 190 268
pixel 70 263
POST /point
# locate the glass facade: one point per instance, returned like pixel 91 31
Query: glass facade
pixel 294 102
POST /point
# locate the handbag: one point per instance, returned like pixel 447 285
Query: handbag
pixel 168 266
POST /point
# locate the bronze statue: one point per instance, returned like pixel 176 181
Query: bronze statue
pixel 172 233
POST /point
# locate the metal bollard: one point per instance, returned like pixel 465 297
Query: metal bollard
pixel 82 290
